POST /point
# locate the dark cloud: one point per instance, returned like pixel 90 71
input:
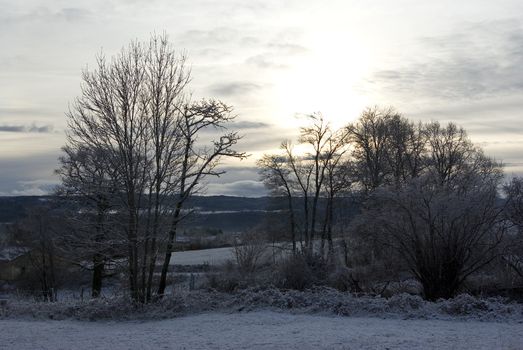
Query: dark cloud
pixel 249 125
pixel 498 115
pixel 236 173
pixel 265 139
pixel 33 128
pixel 234 88
pixel 265 60
pixel 480 60
pixel 244 188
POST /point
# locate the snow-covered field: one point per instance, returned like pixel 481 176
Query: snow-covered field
pixel 213 256
pixel 261 330
pixel 216 256
pixel 264 318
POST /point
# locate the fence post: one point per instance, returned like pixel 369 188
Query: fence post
pixel 191 283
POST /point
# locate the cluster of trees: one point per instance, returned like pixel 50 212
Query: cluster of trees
pixel 138 146
pixel 428 195
pixel 134 155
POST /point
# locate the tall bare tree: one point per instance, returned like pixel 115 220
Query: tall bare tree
pixel 111 115
pixel 134 109
pixel 198 161
pixel 302 174
pixel 275 174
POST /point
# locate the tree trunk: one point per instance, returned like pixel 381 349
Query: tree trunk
pixel 168 253
pixel 98 270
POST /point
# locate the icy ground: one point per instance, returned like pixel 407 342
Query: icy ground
pixel 261 330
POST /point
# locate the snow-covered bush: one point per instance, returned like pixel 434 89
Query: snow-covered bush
pixel 323 300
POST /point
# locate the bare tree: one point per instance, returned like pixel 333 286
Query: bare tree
pixel 111 116
pixel 37 232
pixel 276 176
pixel 325 144
pixel 135 110
pixel 198 161
pixel 249 251
pixel 443 236
pixel 303 175
pixel 338 181
pixel 388 148
pixel 450 150
pixel 88 181
pixel 446 223
pixel 405 149
pixel 370 136
pixel 166 82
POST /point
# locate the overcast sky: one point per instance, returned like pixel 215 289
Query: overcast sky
pixel 441 60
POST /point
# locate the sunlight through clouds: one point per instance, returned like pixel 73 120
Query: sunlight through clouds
pixel 275 60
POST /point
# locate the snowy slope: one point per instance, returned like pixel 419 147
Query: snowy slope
pixel 261 330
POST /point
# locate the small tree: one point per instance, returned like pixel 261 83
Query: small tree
pixel 277 178
pixel 88 186
pixel 37 232
pixel 249 251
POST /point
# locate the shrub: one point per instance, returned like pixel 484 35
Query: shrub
pixel 302 271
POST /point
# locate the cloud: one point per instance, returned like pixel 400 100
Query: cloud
pixel 33 128
pixel 45 14
pixel 218 35
pixel 479 60
pixel 249 125
pixel 234 88
pixel 265 60
pixel 244 188
pixel 277 55
pixel 235 174
pixel 28 175
pixel 289 49
pixel 38 187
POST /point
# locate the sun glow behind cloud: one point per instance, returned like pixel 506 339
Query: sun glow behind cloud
pixel 272 61
pixel 325 80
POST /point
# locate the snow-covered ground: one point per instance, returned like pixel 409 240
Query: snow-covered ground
pixel 261 330
pixel 213 256
pixel 216 256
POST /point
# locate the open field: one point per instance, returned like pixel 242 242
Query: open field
pixel 261 330
pixel 213 256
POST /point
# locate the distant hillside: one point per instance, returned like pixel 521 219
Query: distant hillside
pixel 223 213
pixel 14 208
